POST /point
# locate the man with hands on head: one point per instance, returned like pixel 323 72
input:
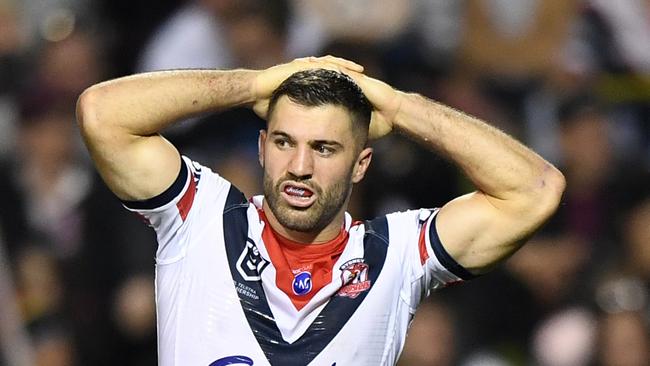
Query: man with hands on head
pixel 288 278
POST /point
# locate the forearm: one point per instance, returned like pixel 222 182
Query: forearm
pixel 144 104
pixel 497 164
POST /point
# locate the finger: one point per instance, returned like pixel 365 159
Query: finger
pixel 358 77
pixel 312 62
pixel 261 108
pixel 350 65
pixel 325 65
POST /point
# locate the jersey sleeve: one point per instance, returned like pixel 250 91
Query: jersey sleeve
pixel 174 214
pixel 430 266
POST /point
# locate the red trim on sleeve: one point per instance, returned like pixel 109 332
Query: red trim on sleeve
pixel 185 203
pixel 422 244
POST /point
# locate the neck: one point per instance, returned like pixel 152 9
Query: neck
pixel 326 234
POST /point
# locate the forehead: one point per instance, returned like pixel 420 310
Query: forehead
pixel 327 122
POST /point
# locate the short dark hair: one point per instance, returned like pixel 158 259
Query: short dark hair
pixel 318 87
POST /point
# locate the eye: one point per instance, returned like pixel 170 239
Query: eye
pixel 324 150
pixel 282 143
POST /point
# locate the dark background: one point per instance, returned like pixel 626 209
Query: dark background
pixel 571 79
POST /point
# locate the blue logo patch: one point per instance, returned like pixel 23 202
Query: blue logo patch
pixel 232 360
pixel 302 283
pixel 236 360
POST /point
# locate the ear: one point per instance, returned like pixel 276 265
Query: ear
pixel 361 165
pixel 261 140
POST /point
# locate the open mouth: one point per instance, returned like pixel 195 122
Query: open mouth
pixel 298 192
pixel 297 195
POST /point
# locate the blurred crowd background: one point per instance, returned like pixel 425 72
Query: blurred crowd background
pixel 570 78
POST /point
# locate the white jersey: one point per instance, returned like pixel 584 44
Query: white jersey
pixel 217 294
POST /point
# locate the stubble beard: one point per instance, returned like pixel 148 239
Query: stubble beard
pixel 310 219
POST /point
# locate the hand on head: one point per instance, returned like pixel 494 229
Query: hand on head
pixel 385 99
pixel 268 80
pixel 386 102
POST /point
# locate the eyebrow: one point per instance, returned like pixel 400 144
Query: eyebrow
pixel 327 142
pixel 314 142
pixel 282 134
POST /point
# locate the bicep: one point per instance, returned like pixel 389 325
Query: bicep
pixel 135 167
pixel 478 232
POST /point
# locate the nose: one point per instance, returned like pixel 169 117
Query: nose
pixel 302 163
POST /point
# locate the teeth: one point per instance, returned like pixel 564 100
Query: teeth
pixel 296 191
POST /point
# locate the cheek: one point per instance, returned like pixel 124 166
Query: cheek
pixel 331 173
pixel 274 164
pixel 270 169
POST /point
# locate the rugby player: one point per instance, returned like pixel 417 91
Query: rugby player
pixel 288 277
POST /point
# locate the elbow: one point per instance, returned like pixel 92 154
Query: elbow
pixel 86 110
pixel 557 185
pixel 92 115
pixel 539 201
pixel 552 186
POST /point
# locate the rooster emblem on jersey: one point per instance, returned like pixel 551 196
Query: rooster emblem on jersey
pixel 354 277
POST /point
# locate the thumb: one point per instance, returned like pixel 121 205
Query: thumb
pixel 261 108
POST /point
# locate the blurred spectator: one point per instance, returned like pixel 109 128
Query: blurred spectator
pixel 53 20
pixel 39 285
pixel 567 338
pixel 13 47
pixel 41 293
pixel 12 35
pixel 605 54
pixel 438 23
pixel 624 340
pixel 54 346
pixel 359 20
pixel 134 315
pixel 609 38
pixel 192 37
pixel 514 41
pixel 624 332
pixel 431 337
pixel 599 184
pixel 219 34
pixel 637 239
pixel 550 267
pixel 65 68
pixel 52 179
pixel 127 26
pixel 15 344
pixel 513 50
pixel 53 201
pixel 623 296
pixel 257 33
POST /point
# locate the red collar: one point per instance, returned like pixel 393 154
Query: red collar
pixel 290 258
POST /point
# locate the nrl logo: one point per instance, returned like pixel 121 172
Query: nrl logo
pixel 354 276
pixel 250 263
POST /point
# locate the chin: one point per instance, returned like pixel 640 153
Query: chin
pixel 297 219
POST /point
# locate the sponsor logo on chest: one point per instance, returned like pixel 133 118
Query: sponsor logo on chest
pixel 302 283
